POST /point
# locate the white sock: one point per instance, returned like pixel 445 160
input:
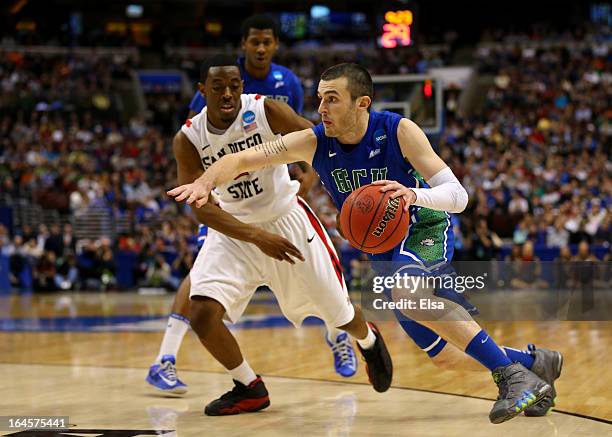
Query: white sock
pixel 173 337
pixel 332 333
pixel 368 342
pixel 243 373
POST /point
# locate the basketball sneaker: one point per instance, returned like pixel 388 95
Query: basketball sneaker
pixel 379 366
pixel 547 365
pixel 345 361
pixel 518 389
pixel 163 377
pixel 241 399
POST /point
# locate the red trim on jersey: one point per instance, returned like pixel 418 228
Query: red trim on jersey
pixel 188 123
pixel 246 173
pixel 314 221
pixel 258 96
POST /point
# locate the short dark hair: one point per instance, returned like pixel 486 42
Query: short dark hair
pixel 358 78
pixel 221 60
pixel 261 22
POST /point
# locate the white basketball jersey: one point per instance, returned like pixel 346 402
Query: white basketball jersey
pixel 254 197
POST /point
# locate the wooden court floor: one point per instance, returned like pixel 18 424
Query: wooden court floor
pixel 86 356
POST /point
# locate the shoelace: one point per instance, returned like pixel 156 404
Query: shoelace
pixel 343 350
pixel 169 370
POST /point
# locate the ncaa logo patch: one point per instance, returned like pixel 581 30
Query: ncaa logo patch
pixel 248 117
pixel 380 137
pixel 277 75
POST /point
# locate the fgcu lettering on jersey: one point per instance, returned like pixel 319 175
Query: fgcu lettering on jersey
pixel 249 119
pixel 346 183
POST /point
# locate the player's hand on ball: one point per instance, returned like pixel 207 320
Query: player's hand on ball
pixel 197 191
pixel 278 247
pixel 400 191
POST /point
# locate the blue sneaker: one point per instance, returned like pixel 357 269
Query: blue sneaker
pixel 163 377
pixel 345 361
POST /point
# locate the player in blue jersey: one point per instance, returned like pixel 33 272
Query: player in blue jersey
pixel 354 146
pixel 260 76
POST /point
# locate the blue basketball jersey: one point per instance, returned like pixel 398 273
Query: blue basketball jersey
pixel 280 84
pixel 378 156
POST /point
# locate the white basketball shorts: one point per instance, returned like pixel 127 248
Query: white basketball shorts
pixel 229 271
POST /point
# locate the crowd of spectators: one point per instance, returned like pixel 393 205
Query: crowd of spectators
pixel 64 148
pixel 49 259
pixel 536 163
pixel 61 82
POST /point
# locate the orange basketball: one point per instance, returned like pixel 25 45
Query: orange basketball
pixel 373 222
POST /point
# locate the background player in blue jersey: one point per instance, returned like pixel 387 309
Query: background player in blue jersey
pixel 260 76
pixel 354 146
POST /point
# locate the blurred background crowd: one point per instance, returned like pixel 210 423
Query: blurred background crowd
pixel 86 158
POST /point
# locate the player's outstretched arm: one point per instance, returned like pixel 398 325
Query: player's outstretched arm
pixel 446 192
pixel 283 119
pixel 293 147
pixel 189 168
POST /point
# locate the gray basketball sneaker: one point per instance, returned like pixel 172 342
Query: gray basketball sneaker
pixel 518 389
pixel 547 366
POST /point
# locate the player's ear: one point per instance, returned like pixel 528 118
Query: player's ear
pixel 202 89
pixel 364 102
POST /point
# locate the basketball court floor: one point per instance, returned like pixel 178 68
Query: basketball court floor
pixel 86 356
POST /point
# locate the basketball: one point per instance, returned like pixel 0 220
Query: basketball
pixel 373 222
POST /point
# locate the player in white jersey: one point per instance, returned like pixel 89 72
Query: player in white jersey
pixel 260 75
pixel 261 233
